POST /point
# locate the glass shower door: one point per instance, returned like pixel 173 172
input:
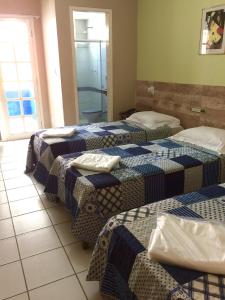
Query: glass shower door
pixel 92 56
pixel 91 80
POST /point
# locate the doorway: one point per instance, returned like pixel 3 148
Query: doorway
pixel 19 115
pixel 93 65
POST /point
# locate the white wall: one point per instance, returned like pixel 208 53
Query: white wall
pixel 52 62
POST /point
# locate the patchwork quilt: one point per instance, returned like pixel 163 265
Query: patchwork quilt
pixel 42 152
pixel 147 173
pixel 120 261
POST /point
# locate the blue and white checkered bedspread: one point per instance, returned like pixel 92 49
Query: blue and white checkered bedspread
pixel 148 172
pixel 42 152
pixel 121 265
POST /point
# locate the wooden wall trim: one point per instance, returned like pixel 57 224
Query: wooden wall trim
pixel 177 99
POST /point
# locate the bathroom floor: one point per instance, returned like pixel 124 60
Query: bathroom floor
pixel 39 257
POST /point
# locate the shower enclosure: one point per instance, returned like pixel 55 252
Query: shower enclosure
pixel 92 80
pixel 91 44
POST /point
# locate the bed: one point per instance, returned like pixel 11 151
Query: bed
pixel 42 152
pixel 120 263
pixel 147 173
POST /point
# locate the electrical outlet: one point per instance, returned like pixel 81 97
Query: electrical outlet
pixel 196 109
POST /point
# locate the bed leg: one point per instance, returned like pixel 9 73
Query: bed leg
pixel 52 198
pixel 104 297
pixel 85 246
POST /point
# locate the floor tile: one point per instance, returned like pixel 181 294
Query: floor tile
pixel 12 165
pixel 46 267
pixel 38 241
pixel 58 214
pixel 79 257
pixel 8 153
pixel 6 229
pixel 12 280
pixel 32 221
pixel 65 233
pixel 66 289
pixel 25 206
pixel 3 197
pixel 20 297
pixel 8 174
pixel 17 182
pixel 46 202
pixel 5 159
pixel 33 179
pixel 40 188
pixel 22 193
pixel 91 288
pixel 2 186
pixel 8 251
pixel 4 211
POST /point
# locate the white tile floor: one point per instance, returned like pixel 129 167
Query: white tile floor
pixel 39 257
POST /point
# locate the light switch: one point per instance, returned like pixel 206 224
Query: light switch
pixel 151 90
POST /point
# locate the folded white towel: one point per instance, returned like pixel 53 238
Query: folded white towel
pixel 96 162
pixel 58 132
pixel 190 243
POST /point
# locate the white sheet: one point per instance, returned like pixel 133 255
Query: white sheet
pixel 190 243
pixel 96 162
pixel 58 132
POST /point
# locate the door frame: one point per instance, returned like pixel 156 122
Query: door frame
pixel 108 13
pixel 35 72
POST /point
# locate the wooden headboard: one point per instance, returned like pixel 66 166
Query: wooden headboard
pixel 178 99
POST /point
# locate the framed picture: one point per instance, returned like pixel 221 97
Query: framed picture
pixel 213 30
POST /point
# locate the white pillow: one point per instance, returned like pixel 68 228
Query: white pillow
pixel 203 136
pixel 153 119
pixel 190 243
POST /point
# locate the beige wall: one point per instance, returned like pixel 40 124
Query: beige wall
pixel 124 52
pixel 52 62
pixel 23 7
pixel 57 90
pixel 32 7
